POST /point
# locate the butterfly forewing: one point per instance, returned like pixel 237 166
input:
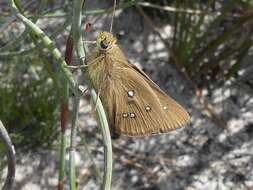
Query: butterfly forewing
pixel 134 104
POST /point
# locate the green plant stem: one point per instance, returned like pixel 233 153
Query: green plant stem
pixel 5 139
pixel 62 161
pixel 77 9
pixel 72 144
pixel 88 152
pixel 72 174
pixel 170 9
pixel 68 76
pixel 106 140
pixel 57 55
pixel 65 112
pixel 77 17
pixel 48 44
pixel 64 123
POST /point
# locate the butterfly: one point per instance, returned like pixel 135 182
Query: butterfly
pixel 134 104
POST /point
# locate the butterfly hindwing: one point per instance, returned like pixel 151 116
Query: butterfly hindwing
pixel 176 112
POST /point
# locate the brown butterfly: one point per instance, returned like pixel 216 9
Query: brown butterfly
pixel 134 104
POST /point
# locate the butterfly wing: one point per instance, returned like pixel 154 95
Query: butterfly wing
pixel 140 107
pixel 175 111
pixel 134 104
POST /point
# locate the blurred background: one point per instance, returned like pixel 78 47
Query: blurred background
pixel 199 52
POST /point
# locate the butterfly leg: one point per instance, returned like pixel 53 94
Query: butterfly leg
pixel 76 66
pixel 89 42
pixel 84 66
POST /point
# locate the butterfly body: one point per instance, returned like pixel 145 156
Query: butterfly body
pixel 134 104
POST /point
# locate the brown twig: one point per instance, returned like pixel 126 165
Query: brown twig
pixel 64 112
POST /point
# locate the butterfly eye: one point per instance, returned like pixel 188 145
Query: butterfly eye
pixel 104 44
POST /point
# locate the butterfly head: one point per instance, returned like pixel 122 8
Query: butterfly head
pixel 105 40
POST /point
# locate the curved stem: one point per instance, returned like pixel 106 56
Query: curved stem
pixel 77 17
pixel 47 42
pixel 106 140
pixel 68 76
pixel 10 157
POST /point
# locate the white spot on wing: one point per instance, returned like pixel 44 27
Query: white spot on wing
pixel 148 108
pixel 132 115
pixel 125 115
pixel 130 93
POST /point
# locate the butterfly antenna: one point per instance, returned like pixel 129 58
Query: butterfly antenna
pixel 113 13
